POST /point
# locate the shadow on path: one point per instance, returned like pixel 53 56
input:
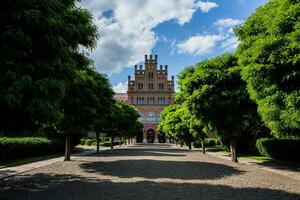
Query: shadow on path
pixel 67 187
pixel 152 169
pixel 142 152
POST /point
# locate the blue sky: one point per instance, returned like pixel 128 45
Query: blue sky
pixel 181 32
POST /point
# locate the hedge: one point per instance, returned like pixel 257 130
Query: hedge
pixel 16 148
pixel 283 149
pixel 209 142
pixel 93 142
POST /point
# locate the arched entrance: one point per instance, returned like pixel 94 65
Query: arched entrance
pixel 150 135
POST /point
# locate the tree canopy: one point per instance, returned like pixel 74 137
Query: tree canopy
pixel 39 56
pixel 270 55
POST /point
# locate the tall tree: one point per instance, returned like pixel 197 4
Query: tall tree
pixel 39 57
pixel 218 97
pixel 270 55
pixel 81 106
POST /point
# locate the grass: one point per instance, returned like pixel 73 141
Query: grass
pixel 258 158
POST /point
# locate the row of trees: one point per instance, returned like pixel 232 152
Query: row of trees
pixel 47 83
pixel 234 95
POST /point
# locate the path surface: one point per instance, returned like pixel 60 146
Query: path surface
pixel 149 172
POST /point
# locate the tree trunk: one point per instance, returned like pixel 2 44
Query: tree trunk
pixel 98 140
pixel 125 141
pixel 112 142
pixel 68 147
pixel 120 141
pixel 233 150
pixel 203 145
pixel 181 143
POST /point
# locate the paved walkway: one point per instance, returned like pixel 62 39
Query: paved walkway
pixel 148 172
pixel 293 173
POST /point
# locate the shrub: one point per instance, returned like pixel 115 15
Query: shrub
pixel 107 144
pixel 89 142
pixel 82 141
pixel 197 144
pixel 16 148
pixel 283 149
pixel 211 142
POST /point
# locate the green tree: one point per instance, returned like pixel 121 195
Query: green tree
pixel 82 104
pixel 38 57
pixel 175 123
pixel 218 97
pixel 270 55
pixel 122 121
pixel 104 93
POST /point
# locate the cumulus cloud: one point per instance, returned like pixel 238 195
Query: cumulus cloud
pixel 230 43
pixel 204 44
pixel 126 27
pixel 120 87
pixel 207 6
pixel 228 22
pixel 198 45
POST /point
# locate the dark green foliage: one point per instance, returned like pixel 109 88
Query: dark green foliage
pixel 39 55
pixel 16 148
pixel 270 55
pixel 209 142
pixel 105 142
pixel 284 149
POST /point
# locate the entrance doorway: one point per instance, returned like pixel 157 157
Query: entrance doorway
pixel 150 136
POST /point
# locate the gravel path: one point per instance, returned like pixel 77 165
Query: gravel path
pixel 149 172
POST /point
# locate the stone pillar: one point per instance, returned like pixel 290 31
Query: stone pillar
pixel 144 136
pixel 156 138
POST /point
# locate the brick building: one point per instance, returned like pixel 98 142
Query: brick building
pixel 150 91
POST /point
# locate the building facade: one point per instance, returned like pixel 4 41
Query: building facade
pixel 150 91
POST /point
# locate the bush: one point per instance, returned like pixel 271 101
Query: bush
pixel 197 144
pixel 210 142
pixel 16 148
pixel 89 142
pixel 283 149
pixel 107 144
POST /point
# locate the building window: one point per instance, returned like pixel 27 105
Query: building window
pixel 161 100
pixel 170 100
pixel 140 86
pixel 132 100
pixel 151 86
pixel 161 86
pixel 151 117
pixel 141 116
pixel 150 100
pixel 151 75
pixel 140 100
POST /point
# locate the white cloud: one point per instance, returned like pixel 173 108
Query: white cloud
pixel 207 6
pixel 126 33
pixel 230 43
pixel 198 45
pixel 120 87
pixel 228 22
pixel 205 43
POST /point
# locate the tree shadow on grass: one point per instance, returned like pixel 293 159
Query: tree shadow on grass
pixel 70 187
pixel 153 169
